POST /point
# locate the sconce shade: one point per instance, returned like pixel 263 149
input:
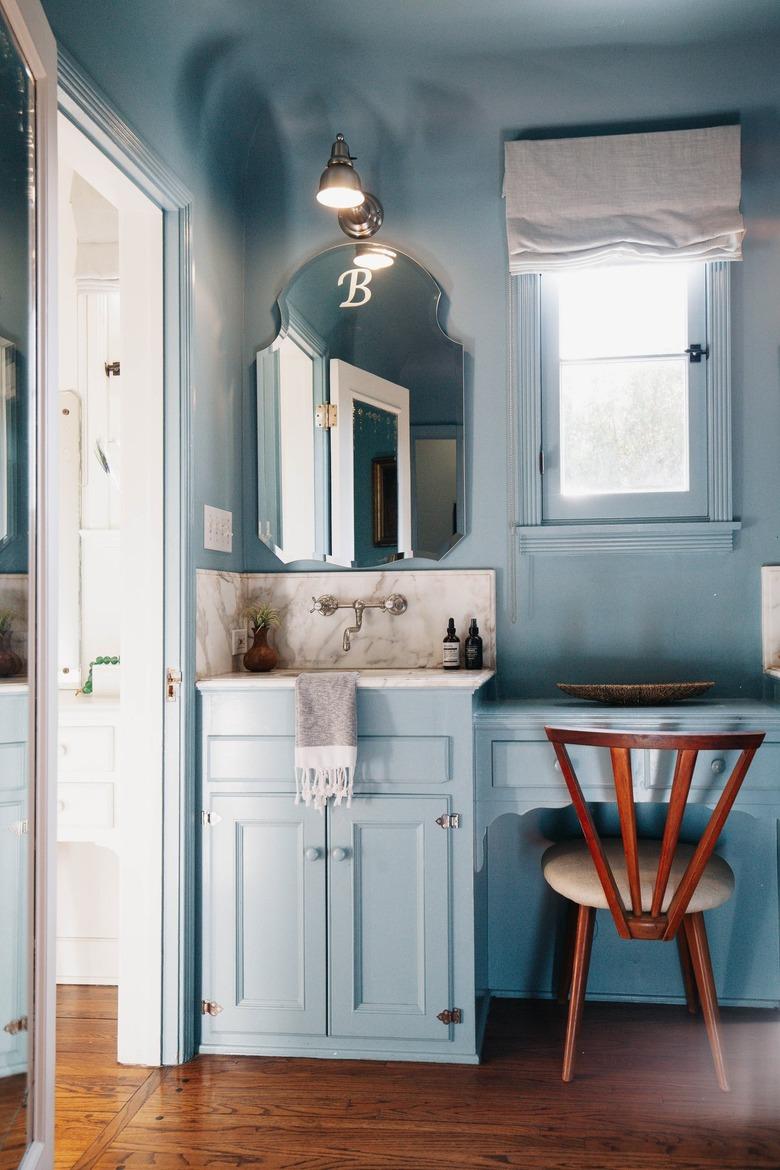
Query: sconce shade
pixel 340 183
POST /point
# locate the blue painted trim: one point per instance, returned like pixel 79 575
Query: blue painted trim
pixel 667 536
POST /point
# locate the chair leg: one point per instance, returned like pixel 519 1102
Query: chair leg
pixel 567 954
pixel 696 936
pixel 582 943
pixel 689 979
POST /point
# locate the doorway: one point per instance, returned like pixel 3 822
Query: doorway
pixel 111 661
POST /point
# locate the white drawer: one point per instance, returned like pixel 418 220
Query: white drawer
pixel 88 805
pixel 86 749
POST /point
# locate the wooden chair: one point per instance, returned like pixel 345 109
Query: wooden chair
pixel 651 888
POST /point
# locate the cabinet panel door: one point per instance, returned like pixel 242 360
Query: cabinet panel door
pixel 389 903
pixel 264 946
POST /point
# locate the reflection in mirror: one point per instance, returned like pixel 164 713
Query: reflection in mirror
pixel 360 416
pixel 16 168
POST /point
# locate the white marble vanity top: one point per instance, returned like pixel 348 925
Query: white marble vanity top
pixel 13 686
pixel 373 678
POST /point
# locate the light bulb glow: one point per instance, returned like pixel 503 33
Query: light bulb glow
pixel 375 258
pixel 340 197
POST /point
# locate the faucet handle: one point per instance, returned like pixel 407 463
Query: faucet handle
pixel 326 605
pixel 395 604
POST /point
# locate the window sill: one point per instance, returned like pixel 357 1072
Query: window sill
pixel 669 536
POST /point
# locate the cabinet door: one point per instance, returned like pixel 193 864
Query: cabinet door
pixel 264 917
pixel 389 914
pixel 13 932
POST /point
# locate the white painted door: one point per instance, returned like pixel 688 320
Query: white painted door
pixel 140 594
pixel 389 919
pixel 353 390
pixel 264 919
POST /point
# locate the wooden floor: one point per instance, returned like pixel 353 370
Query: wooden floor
pixel 644 1098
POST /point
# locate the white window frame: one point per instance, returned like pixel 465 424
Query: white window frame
pixel 713 532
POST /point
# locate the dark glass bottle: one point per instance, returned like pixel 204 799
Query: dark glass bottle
pixel 450 651
pixel 473 647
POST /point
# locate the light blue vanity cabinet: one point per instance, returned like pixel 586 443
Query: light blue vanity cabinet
pixel 350 933
pixel 14 839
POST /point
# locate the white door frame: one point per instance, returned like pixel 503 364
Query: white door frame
pixel 82 103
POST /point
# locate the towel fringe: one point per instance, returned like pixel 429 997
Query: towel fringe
pixel 314 786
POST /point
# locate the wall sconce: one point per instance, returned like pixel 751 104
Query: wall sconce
pixel 360 213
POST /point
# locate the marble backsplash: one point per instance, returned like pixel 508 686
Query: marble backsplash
pixel 308 640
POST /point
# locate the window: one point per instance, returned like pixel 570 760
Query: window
pixel 624 419
pixel 623 434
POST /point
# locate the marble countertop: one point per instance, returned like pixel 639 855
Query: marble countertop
pixel 374 678
pixel 14 686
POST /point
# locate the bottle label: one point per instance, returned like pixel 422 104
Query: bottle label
pixel 450 654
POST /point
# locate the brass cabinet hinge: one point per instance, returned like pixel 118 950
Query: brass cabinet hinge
pixel 13 1027
pixel 210 1007
pixel 326 416
pixel 20 827
pixel 451 1016
pixel 111 368
pixel 449 821
pixel 209 818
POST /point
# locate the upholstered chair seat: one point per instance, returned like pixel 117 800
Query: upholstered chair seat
pixel 568 867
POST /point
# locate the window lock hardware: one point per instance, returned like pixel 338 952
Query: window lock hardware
pixel 696 352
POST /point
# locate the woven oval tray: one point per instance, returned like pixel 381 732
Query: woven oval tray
pixel 635 694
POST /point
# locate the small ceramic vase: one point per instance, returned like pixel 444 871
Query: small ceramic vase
pixel 10 662
pixel 260 656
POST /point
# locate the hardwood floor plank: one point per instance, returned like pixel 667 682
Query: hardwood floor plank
pixel 85 1002
pixel 645 1098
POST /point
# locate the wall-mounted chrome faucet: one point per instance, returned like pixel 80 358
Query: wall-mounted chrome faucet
pixel 327 605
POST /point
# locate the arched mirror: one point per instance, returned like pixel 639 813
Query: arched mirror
pixel 360 415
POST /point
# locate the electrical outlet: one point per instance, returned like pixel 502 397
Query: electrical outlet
pixel 217 529
pixel 240 642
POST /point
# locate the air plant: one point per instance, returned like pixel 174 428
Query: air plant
pixel 260 615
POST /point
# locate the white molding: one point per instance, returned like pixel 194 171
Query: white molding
pixel 86 106
pixel 713 534
pixel 670 536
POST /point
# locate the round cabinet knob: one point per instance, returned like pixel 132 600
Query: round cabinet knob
pixel 338 854
pixel 61 806
pixel 718 765
pixel 63 749
pixel 312 854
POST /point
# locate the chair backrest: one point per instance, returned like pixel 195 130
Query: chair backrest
pixel 634 922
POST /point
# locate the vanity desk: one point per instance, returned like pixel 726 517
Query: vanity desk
pixel 517 774
pixel 349 933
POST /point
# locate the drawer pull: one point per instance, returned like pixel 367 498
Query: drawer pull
pixel 718 766
pixel 338 854
pixel 312 854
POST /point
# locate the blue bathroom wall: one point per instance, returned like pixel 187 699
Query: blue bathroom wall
pixel 179 85
pixel 428 131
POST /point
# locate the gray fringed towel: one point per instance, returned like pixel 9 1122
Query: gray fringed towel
pixel 325 737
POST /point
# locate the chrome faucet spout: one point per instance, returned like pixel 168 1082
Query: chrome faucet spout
pixel 346 641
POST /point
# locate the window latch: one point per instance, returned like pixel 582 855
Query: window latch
pixel 696 352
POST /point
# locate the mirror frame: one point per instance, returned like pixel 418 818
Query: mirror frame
pixel 266 388
pixel 36 44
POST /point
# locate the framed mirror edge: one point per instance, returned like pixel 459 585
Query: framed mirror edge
pixel 288 325
pixel 37 47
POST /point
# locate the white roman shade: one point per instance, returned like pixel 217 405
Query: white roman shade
pixel 623 198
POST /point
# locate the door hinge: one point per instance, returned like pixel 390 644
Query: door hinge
pixel 209 818
pixel 210 1007
pixel 451 1016
pixel 20 827
pixel 172 684
pixel 111 368
pixel 449 820
pixel 541 461
pixel 326 416
pixel 696 352
pixel 13 1027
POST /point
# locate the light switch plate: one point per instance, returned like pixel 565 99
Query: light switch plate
pixel 239 641
pixel 217 529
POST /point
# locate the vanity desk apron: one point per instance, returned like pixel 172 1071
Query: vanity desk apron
pixel 348 934
pixel 517 772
